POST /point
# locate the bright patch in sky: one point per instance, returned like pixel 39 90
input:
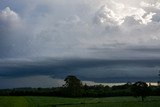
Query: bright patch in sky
pixel 64 29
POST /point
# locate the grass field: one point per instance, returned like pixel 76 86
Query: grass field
pixel 29 101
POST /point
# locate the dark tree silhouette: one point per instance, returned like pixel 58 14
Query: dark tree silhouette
pixel 140 89
pixel 159 78
pixel 73 86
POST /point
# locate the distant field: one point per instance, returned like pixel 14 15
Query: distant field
pixel 29 101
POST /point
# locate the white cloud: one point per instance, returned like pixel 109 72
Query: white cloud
pixel 117 12
pixel 9 18
pixel 68 29
pixel 8 14
pixel 155 4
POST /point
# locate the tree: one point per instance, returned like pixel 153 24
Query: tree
pixel 159 79
pixel 140 89
pixel 73 86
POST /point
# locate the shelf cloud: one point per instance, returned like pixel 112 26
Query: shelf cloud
pixel 78 29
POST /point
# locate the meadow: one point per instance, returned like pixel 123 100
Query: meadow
pixel 32 101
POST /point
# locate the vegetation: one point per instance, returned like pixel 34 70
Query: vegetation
pixel 33 101
pixel 82 95
pixel 140 89
pixel 74 88
pixel 74 94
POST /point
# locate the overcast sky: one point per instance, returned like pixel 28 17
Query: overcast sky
pixel 96 40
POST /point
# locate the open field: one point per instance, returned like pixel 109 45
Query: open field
pixel 29 101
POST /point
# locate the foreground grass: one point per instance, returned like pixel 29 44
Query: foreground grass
pixel 29 101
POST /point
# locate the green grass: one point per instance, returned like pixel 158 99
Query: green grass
pixel 13 102
pixel 29 101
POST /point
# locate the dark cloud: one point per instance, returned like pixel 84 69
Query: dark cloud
pixel 87 69
pixel 104 40
pixel 147 49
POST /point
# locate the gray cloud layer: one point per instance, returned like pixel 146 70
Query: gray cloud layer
pixel 115 35
pixel 89 69
pixel 65 29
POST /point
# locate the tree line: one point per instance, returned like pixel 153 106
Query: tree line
pixel 73 87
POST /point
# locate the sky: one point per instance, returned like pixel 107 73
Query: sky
pixel 43 41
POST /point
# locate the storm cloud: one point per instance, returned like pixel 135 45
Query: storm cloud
pixel 93 38
pixel 86 69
